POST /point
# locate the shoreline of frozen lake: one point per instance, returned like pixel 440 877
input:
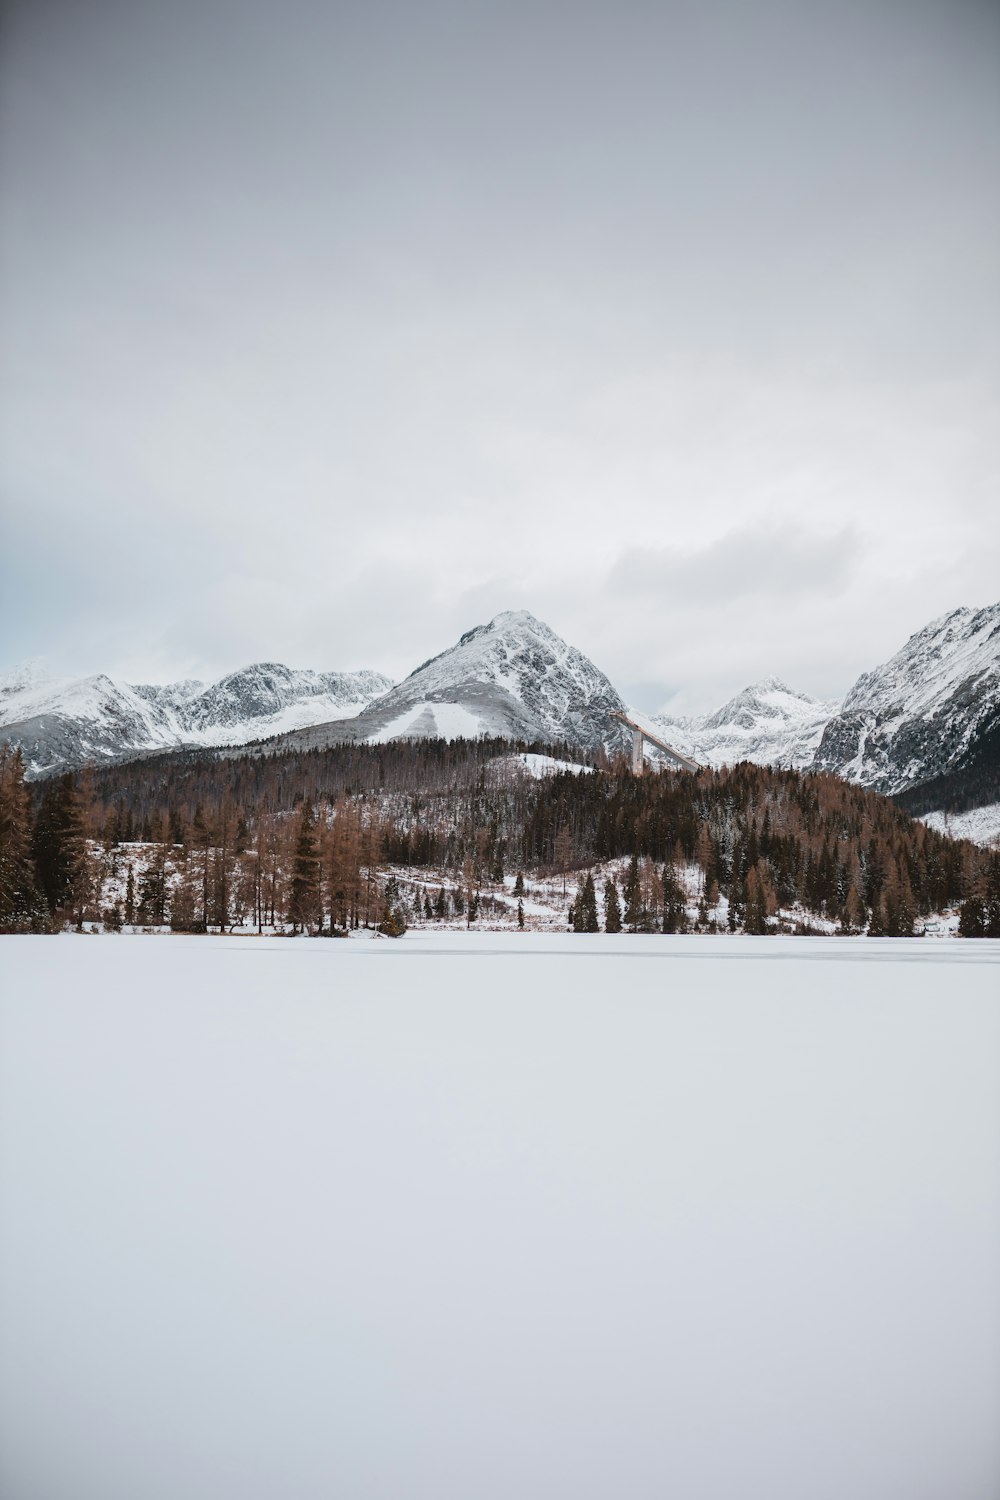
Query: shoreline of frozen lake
pixel 705 1217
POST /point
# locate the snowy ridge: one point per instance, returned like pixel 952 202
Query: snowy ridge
pixel 67 721
pixel 767 723
pixel 915 716
pixel 909 720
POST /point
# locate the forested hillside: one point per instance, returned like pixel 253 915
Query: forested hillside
pixel 327 840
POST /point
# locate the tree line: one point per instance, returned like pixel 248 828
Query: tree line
pixel 304 838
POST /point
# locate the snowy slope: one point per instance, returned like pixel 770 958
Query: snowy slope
pixel 767 723
pixel 918 714
pixel 513 677
pixel 67 721
pixel 981 825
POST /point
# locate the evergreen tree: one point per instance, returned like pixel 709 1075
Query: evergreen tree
pixel 971 918
pixel 22 905
pixel 587 907
pixel 674 912
pixel 304 904
pixel 632 891
pixel 393 919
pixel 612 907
pixel 519 884
pixel 61 854
pixel 520 915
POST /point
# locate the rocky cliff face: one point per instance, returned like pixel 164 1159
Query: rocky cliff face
pixel 918 715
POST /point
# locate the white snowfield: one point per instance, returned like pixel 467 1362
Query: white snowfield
pixel 482 1217
pixel 980 824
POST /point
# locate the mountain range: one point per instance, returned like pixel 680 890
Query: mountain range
pixel 930 715
pixel 62 722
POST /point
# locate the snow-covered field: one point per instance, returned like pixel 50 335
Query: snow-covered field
pixel 484 1216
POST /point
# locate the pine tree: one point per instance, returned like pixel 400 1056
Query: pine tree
pixel 22 905
pixel 519 884
pixel 633 896
pixel 392 922
pixel 971 918
pixel 303 905
pixel 520 915
pixel 61 855
pixel 587 906
pixel 612 907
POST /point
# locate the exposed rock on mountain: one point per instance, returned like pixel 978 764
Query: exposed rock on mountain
pixel 920 714
pixel 514 677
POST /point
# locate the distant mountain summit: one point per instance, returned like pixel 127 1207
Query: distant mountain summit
pixel 767 722
pixel 62 722
pixel 513 677
pixel 928 718
pixel 920 714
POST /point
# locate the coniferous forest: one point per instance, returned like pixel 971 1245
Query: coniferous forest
pixel 323 841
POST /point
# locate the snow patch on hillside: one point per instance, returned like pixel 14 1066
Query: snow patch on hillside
pixel 981 824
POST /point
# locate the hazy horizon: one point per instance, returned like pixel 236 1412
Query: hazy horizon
pixel 41 667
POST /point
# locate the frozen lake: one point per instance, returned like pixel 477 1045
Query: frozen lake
pixel 498 1218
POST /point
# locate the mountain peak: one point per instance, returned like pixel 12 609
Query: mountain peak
pixel 512 676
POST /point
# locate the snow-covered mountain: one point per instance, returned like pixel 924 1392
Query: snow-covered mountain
pixel 767 722
pixel 514 677
pixel 929 714
pixel 920 714
pixel 67 721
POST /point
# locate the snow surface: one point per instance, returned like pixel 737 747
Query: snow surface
pixel 539 766
pixel 490 1217
pixel 980 824
pixel 446 721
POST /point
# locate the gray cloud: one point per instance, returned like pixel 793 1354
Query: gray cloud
pixel 775 561
pixel 330 330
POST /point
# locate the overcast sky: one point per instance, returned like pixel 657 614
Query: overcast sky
pixel 329 331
